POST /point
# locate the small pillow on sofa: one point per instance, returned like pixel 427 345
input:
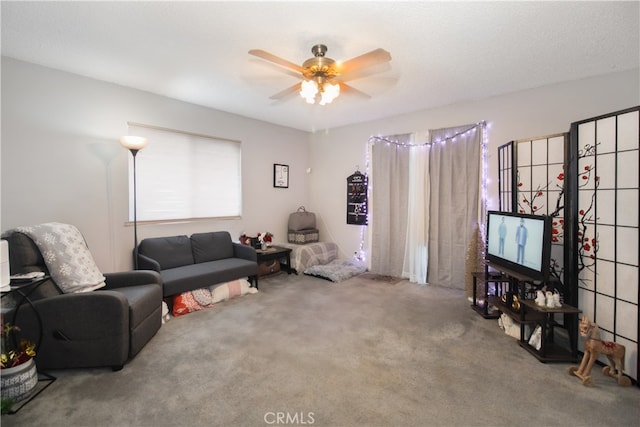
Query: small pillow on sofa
pixel 231 289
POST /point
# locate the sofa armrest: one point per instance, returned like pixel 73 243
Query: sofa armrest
pixel 146 263
pixel 79 330
pixel 244 252
pixel 78 315
pixel 132 278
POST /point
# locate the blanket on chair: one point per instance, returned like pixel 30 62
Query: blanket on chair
pixel 66 255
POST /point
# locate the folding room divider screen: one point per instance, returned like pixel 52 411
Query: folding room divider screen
pixel 506 178
pixel 540 191
pixel 602 193
pixel 531 180
pixel 588 181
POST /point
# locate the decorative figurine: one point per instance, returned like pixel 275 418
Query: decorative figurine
pixel 593 347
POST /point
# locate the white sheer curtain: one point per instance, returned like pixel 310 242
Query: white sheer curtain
pixel 416 253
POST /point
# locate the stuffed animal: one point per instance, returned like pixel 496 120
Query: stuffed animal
pixel 165 313
pixel 541 299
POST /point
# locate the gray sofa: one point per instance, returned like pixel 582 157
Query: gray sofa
pixel 105 327
pixel 199 261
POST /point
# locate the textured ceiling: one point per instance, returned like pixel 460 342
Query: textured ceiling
pixel 442 52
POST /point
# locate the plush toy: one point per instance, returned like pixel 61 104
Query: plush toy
pixel 541 299
pixel 593 347
pixel 165 313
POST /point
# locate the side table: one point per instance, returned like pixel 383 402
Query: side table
pixel 283 255
pixel 23 289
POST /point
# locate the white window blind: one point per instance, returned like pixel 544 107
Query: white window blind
pixel 182 175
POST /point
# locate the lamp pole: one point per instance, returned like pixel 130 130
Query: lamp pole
pixel 134 144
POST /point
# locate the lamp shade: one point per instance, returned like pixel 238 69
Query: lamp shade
pixel 131 142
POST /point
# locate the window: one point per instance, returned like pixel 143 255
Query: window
pixel 181 175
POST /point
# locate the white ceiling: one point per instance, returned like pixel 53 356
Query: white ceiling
pixel 442 52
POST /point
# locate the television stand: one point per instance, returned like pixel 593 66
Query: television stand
pixel 485 278
pixel 527 313
pixel 550 351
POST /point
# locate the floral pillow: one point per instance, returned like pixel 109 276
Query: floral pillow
pixel 191 301
pixel 185 303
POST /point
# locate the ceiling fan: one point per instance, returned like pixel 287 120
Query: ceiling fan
pixel 323 77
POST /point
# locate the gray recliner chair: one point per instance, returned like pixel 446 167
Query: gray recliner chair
pixel 105 327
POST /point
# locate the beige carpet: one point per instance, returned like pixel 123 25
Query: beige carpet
pixel 305 351
pixel 381 278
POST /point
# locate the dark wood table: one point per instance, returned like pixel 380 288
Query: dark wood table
pixel 276 252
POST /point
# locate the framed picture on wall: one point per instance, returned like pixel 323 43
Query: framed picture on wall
pixel 281 176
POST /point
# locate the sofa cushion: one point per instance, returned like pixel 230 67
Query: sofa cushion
pixel 186 278
pixel 211 246
pixel 169 252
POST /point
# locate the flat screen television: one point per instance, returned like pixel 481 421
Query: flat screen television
pixel 520 243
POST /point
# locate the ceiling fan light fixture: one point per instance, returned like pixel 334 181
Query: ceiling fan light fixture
pixel 319 71
pixel 329 93
pixel 309 90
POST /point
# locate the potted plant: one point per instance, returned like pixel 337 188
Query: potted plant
pixel 19 375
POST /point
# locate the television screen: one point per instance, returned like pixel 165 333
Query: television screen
pixel 520 243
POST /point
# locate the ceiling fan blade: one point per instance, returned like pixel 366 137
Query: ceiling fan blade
pixel 366 72
pixel 288 91
pixel 275 59
pixel 277 68
pixel 350 90
pixel 369 59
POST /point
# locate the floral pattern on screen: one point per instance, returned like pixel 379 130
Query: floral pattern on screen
pixel 540 188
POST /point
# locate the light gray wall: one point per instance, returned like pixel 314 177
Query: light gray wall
pixel 547 110
pixel 61 159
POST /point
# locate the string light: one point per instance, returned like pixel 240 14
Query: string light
pixel 484 183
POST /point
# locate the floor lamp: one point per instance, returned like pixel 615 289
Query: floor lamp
pixel 134 144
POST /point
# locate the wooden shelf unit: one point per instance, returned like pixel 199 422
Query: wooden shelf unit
pixel 485 277
pixel 529 313
pixel 550 351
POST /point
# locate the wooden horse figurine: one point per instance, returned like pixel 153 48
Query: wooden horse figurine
pixel 593 347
